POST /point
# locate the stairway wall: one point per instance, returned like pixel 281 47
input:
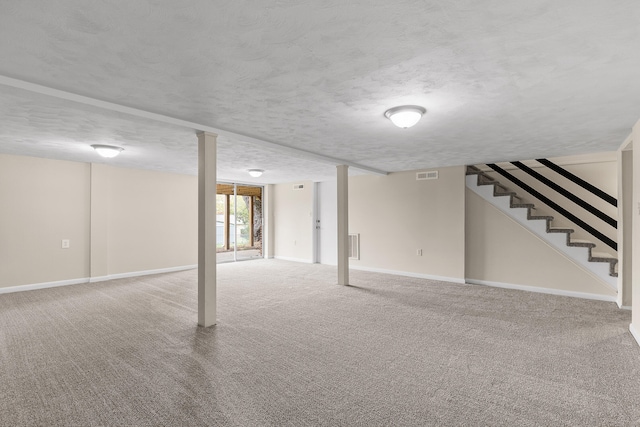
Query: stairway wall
pixel 500 251
pixel 599 169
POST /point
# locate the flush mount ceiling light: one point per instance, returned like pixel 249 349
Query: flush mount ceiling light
pixel 107 150
pixel 405 116
pixel 255 172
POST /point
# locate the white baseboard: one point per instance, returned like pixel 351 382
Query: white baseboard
pixel 561 292
pixel 408 274
pixel 286 258
pixel 625 307
pixel 141 273
pixel 43 285
pixel 634 333
pixel 56 284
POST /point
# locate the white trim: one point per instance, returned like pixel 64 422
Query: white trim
pixel 43 285
pixel 408 274
pixel 286 258
pixel 635 333
pixel 540 290
pixel 296 152
pixel 625 307
pixel 627 144
pixel 141 273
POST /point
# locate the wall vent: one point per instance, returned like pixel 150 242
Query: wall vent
pixel 354 246
pixel 298 186
pixel 421 176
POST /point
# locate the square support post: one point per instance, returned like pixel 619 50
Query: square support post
pixel 343 224
pixel 207 229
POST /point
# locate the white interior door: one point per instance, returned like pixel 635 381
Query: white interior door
pixel 327 215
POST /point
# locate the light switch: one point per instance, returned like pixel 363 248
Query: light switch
pixel 66 243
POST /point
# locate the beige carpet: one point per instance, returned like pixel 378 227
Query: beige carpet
pixel 293 349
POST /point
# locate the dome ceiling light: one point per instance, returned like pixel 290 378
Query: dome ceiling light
pixel 256 173
pixel 107 150
pixel 405 116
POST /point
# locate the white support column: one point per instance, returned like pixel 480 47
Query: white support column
pixel 625 223
pixel 268 241
pixel 206 229
pixel 343 224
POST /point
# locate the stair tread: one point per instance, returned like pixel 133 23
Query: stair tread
pixel 560 230
pixel 603 255
pixel 577 242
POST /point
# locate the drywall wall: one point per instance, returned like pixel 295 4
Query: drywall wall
pixel 99 220
pixel 396 215
pixel 117 221
pixel 293 221
pixel 635 292
pixel 152 221
pixel 43 201
pixel 501 251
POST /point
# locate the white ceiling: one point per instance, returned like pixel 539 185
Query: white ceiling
pixel 500 80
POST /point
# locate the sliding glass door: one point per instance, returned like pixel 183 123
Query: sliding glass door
pixel 239 222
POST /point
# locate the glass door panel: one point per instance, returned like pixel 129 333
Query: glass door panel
pixel 238 222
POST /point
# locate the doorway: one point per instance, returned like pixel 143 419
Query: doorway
pixel 239 222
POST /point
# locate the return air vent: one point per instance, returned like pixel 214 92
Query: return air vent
pixel 421 176
pixel 354 246
pixel 298 186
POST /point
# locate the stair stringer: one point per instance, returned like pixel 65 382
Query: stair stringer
pixel 558 241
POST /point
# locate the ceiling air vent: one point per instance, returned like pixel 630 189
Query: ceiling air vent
pixel 298 186
pixel 421 176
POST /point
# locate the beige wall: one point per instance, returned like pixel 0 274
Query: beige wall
pixel 293 220
pixel 153 221
pixel 500 250
pixel 118 220
pixel 635 323
pixel 396 215
pixel 42 202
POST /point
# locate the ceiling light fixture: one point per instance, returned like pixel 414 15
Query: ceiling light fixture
pixel 107 150
pixel 405 116
pixel 256 173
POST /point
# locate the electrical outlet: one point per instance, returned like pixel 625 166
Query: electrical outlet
pixel 66 243
pixel 419 252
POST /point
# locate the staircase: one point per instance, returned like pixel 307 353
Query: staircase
pixel 582 252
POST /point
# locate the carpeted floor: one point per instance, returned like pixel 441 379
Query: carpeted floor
pixel 291 348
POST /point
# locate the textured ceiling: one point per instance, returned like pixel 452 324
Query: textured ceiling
pixel 500 80
pixel 42 126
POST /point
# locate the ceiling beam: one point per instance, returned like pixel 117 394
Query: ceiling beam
pixel 285 149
